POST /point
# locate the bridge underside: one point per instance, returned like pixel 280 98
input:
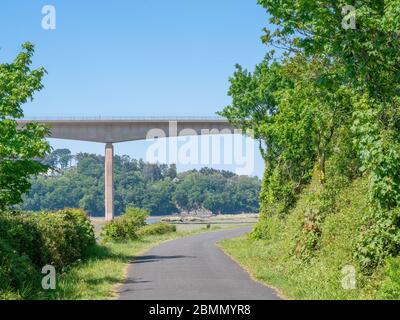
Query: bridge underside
pixel 115 131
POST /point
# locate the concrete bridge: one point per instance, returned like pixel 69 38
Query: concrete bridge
pixel 115 130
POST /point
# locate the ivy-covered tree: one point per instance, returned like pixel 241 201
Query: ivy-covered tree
pixel 20 146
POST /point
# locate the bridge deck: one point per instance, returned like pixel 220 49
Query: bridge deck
pixel 122 129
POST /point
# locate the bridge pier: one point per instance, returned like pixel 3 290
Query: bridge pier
pixel 114 130
pixel 108 183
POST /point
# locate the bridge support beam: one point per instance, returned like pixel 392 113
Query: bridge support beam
pixel 108 183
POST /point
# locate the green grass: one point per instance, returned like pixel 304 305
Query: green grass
pixel 275 262
pixel 97 277
pixel 101 271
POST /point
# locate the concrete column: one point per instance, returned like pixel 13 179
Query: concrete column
pixel 108 183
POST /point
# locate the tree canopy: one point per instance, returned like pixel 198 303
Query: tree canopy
pixel 328 105
pixel 19 146
pixel 158 188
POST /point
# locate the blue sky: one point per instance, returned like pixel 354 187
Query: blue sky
pixel 133 57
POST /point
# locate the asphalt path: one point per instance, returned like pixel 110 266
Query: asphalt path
pixel 191 268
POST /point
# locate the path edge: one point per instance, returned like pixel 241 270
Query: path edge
pixel 251 274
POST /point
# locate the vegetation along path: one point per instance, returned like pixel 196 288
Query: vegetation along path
pixel 191 268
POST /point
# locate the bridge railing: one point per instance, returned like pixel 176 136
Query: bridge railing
pixel 126 118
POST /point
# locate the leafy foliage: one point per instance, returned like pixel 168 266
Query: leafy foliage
pixel 156 229
pixel 125 227
pixel 30 241
pixel 58 158
pixel 19 146
pixel 58 238
pixel 327 107
pixel 390 288
pixel 157 188
pixel 16 271
pixel 285 258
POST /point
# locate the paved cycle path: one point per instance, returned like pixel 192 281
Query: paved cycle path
pixel 192 268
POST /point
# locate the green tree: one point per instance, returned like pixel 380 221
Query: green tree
pixel 64 157
pixel 158 199
pixel 19 145
pixel 333 96
pixel 82 185
pixel 368 56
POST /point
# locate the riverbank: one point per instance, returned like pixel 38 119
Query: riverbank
pixel 245 218
pixel 187 223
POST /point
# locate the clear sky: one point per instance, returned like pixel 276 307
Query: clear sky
pixel 130 57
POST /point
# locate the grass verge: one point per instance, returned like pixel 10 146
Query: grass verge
pixel 97 276
pixel 325 275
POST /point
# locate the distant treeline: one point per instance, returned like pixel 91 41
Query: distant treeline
pixel 77 181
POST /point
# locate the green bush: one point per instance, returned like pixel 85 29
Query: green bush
pixel 16 271
pixel 65 236
pixel 30 241
pixel 391 285
pixel 125 227
pixel 374 245
pixel 83 225
pixel 58 238
pixel 21 233
pixel 156 229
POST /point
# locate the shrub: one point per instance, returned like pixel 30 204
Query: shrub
pixel 83 227
pixel 58 238
pixel 22 234
pixel 65 236
pixel 156 229
pixel 125 227
pixel 374 245
pixel 267 227
pixel 260 230
pixel 16 271
pixel 391 285
pixel 30 241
